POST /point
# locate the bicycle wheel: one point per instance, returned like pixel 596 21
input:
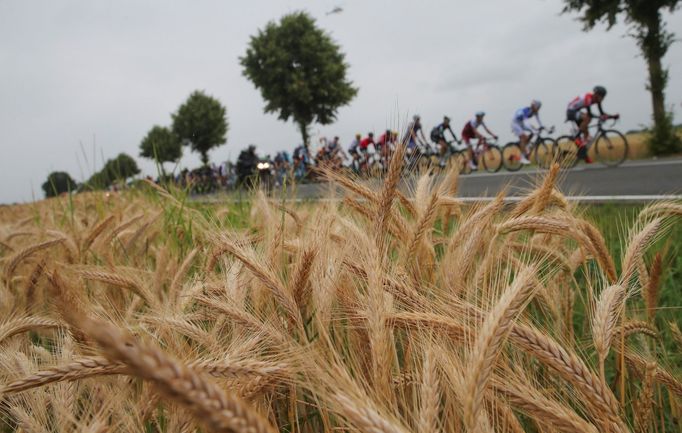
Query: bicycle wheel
pixel 611 148
pixel 566 152
pixel 459 160
pixel 544 152
pixel 511 156
pixel 491 158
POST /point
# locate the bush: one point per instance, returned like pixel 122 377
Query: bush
pixel 664 139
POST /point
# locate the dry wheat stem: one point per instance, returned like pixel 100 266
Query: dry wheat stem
pixel 492 335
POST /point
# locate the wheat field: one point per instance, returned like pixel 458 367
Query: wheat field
pixel 137 312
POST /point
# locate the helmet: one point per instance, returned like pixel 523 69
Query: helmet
pixel 416 117
pixel 446 119
pixel 370 134
pixel 599 90
pixel 536 103
pixel 480 113
pixel 358 136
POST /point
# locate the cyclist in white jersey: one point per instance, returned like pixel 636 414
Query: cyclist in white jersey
pixel 522 130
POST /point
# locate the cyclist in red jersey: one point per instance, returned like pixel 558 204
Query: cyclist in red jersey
pixel 385 141
pixel 470 131
pixel 365 142
pixel 579 111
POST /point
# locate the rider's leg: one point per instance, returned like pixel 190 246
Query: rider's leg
pixel 471 155
pixel 523 141
pixel 583 144
pixel 584 124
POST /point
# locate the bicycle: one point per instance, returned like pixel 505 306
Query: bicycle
pixel 610 146
pixel 541 150
pixel 486 152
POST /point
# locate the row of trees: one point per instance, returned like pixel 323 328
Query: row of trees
pixel 200 123
pixel 117 169
pixel 300 72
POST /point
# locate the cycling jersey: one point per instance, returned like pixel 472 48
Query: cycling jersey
pixel 469 130
pixel 365 142
pixel 582 103
pixel 438 132
pixel 332 147
pixel 518 124
pixel 383 140
pixel 353 148
pixel 411 134
pixel 300 153
pixel 524 113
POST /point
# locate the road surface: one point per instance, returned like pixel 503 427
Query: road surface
pixel 644 178
pixel 634 181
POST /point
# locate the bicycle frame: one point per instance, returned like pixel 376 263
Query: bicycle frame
pixel 599 126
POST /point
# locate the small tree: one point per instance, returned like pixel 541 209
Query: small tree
pixel 120 168
pixel 648 29
pixel 58 182
pixel 201 122
pixel 162 145
pixel 299 70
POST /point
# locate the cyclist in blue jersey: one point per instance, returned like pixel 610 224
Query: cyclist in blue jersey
pixel 414 129
pixel 522 130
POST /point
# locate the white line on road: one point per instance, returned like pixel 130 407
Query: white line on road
pixel 509 199
pixel 582 167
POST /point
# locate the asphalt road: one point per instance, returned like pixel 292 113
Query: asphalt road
pixel 633 178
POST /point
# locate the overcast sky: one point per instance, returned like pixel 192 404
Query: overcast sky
pixel 103 72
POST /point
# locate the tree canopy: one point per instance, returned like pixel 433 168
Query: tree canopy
pixel 201 122
pixel 120 168
pixel 653 39
pixel 58 182
pixel 162 145
pixel 299 70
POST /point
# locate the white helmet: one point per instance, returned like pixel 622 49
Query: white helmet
pixel 536 103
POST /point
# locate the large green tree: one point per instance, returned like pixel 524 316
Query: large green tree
pixel 648 29
pixel 299 70
pixel 58 182
pixel 201 122
pixel 162 145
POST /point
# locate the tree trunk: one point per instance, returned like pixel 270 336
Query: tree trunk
pixel 204 158
pixel 304 136
pixel 654 47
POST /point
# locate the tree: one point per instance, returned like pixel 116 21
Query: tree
pixel 202 123
pixel 120 168
pixel 648 29
pixel 58 182
pixel 162 145
pixel 299 70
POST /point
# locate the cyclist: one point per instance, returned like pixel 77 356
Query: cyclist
pixel 523 130
pixel 282 164
pixel 301 158
pixel 470 131
pixel 438 135
pixel 582 119
pixel 335 153
pixel 354 152
pixel 412 135
pixel 365 142
pixel 384 143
